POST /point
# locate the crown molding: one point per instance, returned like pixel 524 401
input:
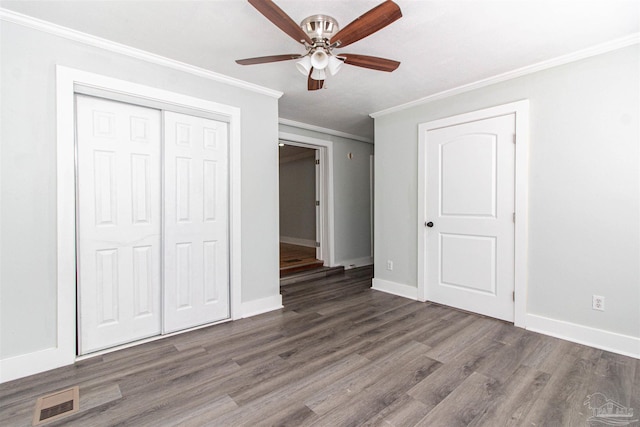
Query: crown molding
pixel 58 30
pixel 327 131
pixel 529 69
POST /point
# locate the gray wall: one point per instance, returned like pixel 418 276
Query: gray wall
pixel 28 175
pixel 584 235
pixel 352 232
pixel 298 197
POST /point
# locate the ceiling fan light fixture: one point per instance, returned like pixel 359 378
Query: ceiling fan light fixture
pixel 304 65
pixel 319 59
pixel 317 74
pixel 334 65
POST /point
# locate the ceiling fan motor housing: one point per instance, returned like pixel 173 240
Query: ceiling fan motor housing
pixel 319 27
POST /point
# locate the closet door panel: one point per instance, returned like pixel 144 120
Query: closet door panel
pixel 119 222
pixel 196 274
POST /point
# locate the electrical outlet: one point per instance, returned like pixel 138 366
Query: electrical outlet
pixel 598 303
pixel 389 265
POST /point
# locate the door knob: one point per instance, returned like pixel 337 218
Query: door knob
pixel 429 224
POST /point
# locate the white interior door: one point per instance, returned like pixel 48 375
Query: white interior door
pixel 119 222
pixel 196 269
pixel 470 216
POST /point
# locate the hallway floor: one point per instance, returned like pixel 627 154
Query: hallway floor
pixel 294 258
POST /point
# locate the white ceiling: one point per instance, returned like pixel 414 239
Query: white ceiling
pixel 442 44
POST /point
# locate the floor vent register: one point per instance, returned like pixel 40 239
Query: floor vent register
pixel 56 405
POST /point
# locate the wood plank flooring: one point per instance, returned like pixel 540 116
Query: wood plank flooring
pixel 294 258
pixel 339 354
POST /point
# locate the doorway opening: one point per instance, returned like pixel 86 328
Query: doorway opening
pixel 317 245
pixel 300 242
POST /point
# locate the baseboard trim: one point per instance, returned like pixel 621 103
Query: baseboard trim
pixel 394 288
pixel 604 340
pixel 260 306
pixel 355 263
pixel 297 241
pixel 586 335
pixel 36 362
pixel 24 365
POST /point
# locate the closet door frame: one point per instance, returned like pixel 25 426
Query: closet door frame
pixel 71 82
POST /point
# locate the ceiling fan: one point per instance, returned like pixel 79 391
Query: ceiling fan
pixel 320 35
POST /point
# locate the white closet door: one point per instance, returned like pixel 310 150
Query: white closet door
pixel 119 222
pixel 196 269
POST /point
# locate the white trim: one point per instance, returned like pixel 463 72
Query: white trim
pixel 64 353
pixel 326 147
pixel 24 365
pixel 529 69
pixel 320 196
pixel 394 288
pixel 260 306
pixel 372 195
pixel 598 338
pixel 297 241
pixel 521 111
pixel 235 214
pixel 327 131
pixel 585 335
pixel 521 247
pixel 77 36
pixel 356 262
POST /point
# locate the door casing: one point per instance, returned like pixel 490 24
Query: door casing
pixel 521 111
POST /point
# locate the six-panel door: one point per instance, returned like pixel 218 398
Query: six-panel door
pixel 119 222
pixel 196 221
pixel 153 247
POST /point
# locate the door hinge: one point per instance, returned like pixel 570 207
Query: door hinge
pixel 317 244
pixel 514 138
pixel 317 162
pixel 514 217
pixel 317 202
pixel 514 295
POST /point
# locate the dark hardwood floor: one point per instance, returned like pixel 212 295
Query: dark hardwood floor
pixel 340 354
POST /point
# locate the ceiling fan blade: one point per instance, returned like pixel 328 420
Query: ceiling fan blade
pixel 280 19
pixel 266 59
pixel 314 84
pixel 372 62
pixel 367 24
